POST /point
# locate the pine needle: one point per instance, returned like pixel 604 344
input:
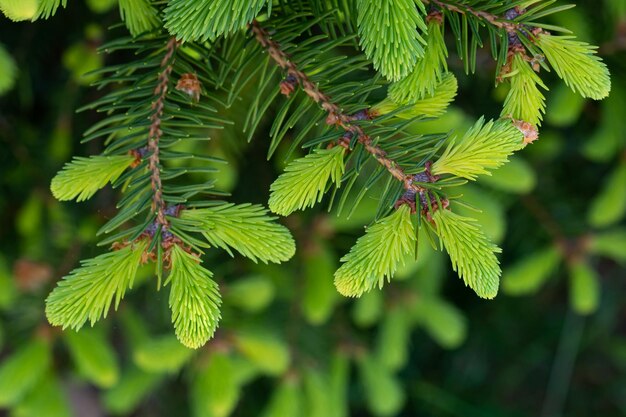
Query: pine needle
pixel 377 254
pixel 194 299
pixel 472 255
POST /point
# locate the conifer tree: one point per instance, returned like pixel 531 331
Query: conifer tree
pixel 194 57
pixel 345 84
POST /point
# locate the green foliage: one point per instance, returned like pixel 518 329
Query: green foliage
pixel 527 275
pixel 484 146
pixel 245 228
pixel 172 112
pixel 388 31
pixel 377 254
pixel 443 322
pixel 49 8
pixel 20 372
pixel 609 206
pixel 286 400
pixel 216 389
pixel 516 176
pixel 383 392
pixel 194 299
pixel 266 351
pixel 611 243
pixel 131 389
pixel 472 255
pixel 140 16
pixel 18 10
pixel 584 287
pixel 93 356
pixel 429 71
pixel 576 63
pixel 87 293
pixel 206 20
pixel 430 105
pixel 163 354
pixel 253 293
pixel 305 180
pixel 8 71
pixel 524 101
pixel 47 398
pixel 393 339
pixel 83 177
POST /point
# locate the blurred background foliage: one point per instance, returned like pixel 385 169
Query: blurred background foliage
pixel 552 343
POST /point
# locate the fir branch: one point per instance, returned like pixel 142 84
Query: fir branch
pixel 194 299
pixel 304 181
pixel 335 115
pixel 155 132
pixel 484 146
pixel 245 228
pixel 377 254
pixel 87 293
pixel 471 253
pixel 83 177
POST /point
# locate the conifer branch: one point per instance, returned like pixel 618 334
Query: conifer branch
pixel 335 115
pixel 155 133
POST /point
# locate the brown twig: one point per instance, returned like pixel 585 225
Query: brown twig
pixel 155 133
pixel 494 20
pixel 335 115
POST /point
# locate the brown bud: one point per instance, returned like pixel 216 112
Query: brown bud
pixel 190 85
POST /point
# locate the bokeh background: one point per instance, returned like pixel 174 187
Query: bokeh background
pixel 553 343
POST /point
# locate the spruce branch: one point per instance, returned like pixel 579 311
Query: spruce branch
pixel 245 228
pixel 429 105
pixel 83 177
pixel 377 254
pixel 155 132
pixel 87 292
pixel 577 64
pixel 429 70
pixel 194 299
pixel 389 36
pixel 524 100
pixel 335 114
pixel 304 181
pixel 484 146
pixel 472 255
